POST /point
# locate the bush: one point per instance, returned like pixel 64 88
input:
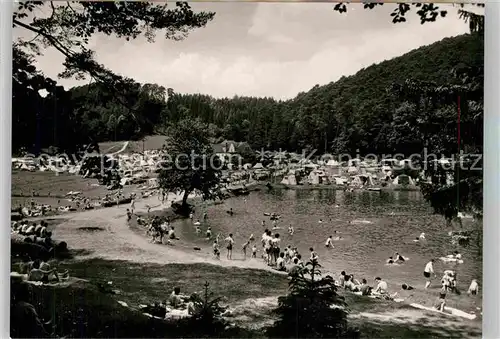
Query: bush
pixel 312 309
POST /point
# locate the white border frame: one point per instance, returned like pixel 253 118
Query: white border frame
pixel 5 159
pixel 491 257
pixel 491 222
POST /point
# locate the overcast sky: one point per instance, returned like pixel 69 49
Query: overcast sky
pixel 266 49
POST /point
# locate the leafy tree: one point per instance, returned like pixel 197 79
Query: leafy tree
pixel 68 28
pixel 189 163
pixel 312 308
pixel 463 94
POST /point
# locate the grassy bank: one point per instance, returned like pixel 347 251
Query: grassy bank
pixel 140 284
pixel 86 309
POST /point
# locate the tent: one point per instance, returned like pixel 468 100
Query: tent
pixel 258 166
pixel 403 179
pixel 289 180
pixel 313 178
pixel 362 180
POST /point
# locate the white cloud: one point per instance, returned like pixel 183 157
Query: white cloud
pixel 284 49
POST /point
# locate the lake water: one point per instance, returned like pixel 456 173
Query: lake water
pixel 395 219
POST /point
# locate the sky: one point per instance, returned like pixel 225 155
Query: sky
pixel 265 49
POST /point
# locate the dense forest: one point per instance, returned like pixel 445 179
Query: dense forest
pixel 358 112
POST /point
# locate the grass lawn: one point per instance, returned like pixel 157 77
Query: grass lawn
pixel 86 310
pixel 141 284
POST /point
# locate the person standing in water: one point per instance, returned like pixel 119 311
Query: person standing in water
pixel 244 249
pixel 314 256
pixel 229 246
pixel 132 204
pixel 428 270
pixel 254 251
pixel 290 229
pixel 328 242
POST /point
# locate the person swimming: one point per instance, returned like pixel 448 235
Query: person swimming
pixel 399 257
pixel 320 221
pixel 422 236
pixel 390 261
pixel 197 223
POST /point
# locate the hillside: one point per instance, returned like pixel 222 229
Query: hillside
pixel 353 113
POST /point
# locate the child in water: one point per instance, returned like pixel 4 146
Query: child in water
pixel 215 247
pixel 244 248
pixel 254 251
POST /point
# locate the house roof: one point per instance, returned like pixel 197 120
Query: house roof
pixel 228 146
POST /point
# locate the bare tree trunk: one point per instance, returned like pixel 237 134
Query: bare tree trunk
pixel 184 199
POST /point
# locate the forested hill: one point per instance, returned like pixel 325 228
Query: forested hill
pixel 354 113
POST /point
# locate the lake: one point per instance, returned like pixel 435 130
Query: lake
pixel 395 219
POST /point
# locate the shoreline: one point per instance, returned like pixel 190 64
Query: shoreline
pixel 343 188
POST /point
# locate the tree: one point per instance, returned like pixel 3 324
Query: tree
pixel 465 93
pixel 68 28
pixel 312 308
pixel 189 163
pixel 206 319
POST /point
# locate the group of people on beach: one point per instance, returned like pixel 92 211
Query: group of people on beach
pixel 291 261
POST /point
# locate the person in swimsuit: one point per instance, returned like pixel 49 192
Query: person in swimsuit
pixel 314 256
pixel 473 288
pixel 132 204
pixel 254 251
pixel 342 279
pixel 229 246
pixel 328 242
pixel 441 302
pixel 244 249
pixel 209 233
pixel 428 270
pixel 364 288
pixel 215 247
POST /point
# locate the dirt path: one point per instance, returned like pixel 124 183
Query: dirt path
pixel 114 240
